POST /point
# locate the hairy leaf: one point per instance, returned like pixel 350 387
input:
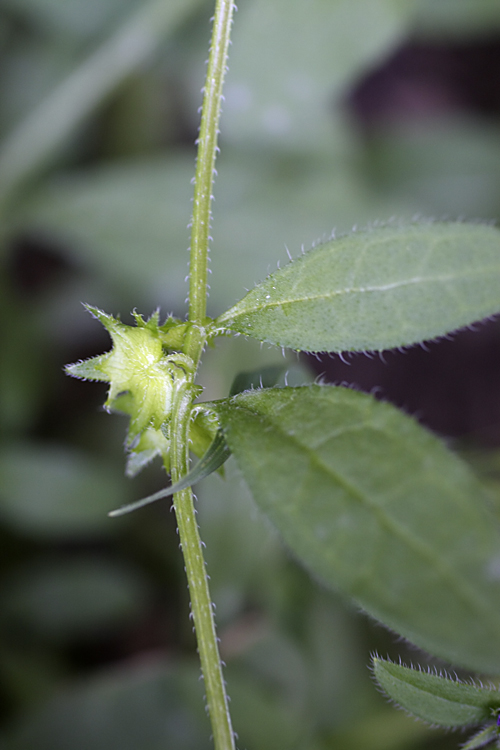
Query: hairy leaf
pixel 437 700
pixel 377 507
pixel 482 738
pixel 388 287
pixel 213 459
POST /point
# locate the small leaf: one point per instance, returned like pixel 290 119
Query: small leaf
pixel 375 506
pixel 216 455
pixel 437 700
pixel 388 287
pixel 482 738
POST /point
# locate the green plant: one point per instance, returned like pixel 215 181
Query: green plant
pixel 367 499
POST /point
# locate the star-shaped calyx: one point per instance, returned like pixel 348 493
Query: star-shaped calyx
pixel 143 374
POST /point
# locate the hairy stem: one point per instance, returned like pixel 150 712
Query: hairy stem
pixel 205 165
pixel 201 603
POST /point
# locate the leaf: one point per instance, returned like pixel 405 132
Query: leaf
pixel 215 456
pixel 437 700
pixel 42 133
pixel 377 507
pixel 72 17
pixel 72 597
pixel 314 55
pixel 457 18
pixel 482 738
pixel 53 492
pixel 388 287
pixel 145 703
pixel 444 170
pixel 117 217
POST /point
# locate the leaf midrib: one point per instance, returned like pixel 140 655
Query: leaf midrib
pixel 420 548
pixel 439 279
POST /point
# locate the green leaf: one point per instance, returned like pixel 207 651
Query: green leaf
pixel 388 287
pixel 72 17
pixel 47 128
pixel 53 492
pixel 115 218
pixel 457 18
pixel 482 738
pixel 315 51
pixel 437 700
pixel 72 597
pixel 145 703
pixel 443 170
pixel 375 506
pixel 213 459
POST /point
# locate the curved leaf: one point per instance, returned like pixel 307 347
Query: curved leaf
pixel 437 700
pixel 388 287
pixel 482 738
pixel 377 507
pixel 216 455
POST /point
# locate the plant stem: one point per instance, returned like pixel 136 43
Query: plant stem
pixel 201 603
pixel 205 165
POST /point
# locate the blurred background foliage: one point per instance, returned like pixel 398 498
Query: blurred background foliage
pixel 337 112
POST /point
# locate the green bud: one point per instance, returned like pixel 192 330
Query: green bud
pixel 143 379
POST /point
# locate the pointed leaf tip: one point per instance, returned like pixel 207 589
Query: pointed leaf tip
pixel 388 287
pixel 434 699
pixel 213 459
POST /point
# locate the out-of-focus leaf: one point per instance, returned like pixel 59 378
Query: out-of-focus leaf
pixel 23 369
pixel 71 17
pixel 377 507
pixel 308 54
pixel 262 718
pixel 243 555
pixel 51 491
pixel 482 738
pixel 460 18
pixel 29 673
pixel 381 730
pixel 128 222
pixel 45 130
pixel 149 704
pixel 388 287
pixel 436 700
pixel 71 598
pixel 447 169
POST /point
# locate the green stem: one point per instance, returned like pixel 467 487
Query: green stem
pixel 205 165
pixel 201 603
